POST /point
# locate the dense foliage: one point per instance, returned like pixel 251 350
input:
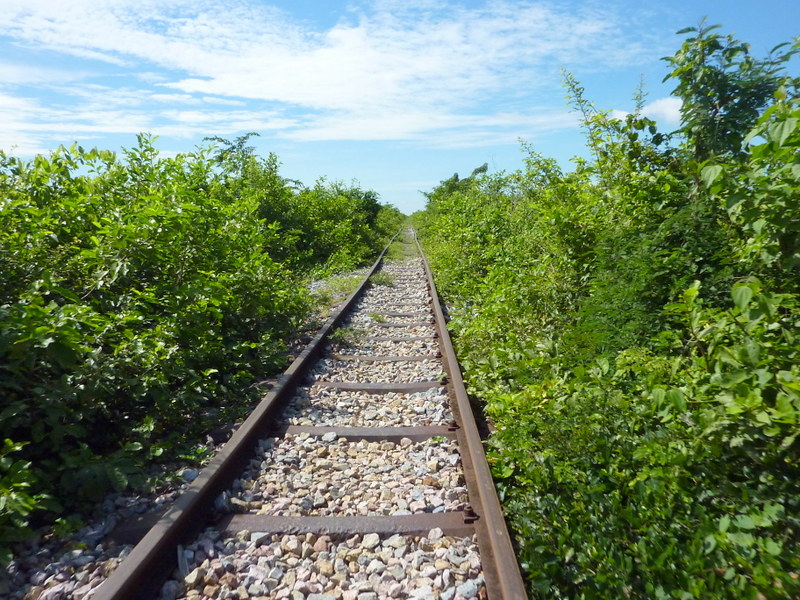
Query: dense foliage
pixel 142 297
pixel 632 330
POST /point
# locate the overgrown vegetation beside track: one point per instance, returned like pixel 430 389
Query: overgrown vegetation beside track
pixel 632 329
pixel 141 300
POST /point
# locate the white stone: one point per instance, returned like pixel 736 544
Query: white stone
pixel 435 534
pixel 370 540
pixel 468 589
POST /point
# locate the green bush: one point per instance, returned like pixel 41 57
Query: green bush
pixel 17 501
pixel 140 300
pixel 631 330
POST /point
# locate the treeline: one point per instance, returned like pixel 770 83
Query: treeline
pixel 631 328
pixel 142 298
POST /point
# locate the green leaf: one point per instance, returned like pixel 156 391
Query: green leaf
pixel 763 417
pixel 709 174
pixel 753 350
pixel 116 478
pixel 658 395
pixel 742 538
pixel 731 379
pixel 724 523
pixel 690 293
pixel 677 399
pixel 504 471
pixel 758 225
pixel 745 522
pixel 742 295
pixel 780 131
pixel 773 547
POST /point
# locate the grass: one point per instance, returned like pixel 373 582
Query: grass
pixel 402 247
pixel 333 292
pixel 382 278
pixel 346 336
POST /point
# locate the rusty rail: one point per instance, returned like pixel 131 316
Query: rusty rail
pixel 500 567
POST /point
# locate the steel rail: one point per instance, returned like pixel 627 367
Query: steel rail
pixel 142 572
pixel 501 571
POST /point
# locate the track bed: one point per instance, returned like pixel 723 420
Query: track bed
pixel 358 481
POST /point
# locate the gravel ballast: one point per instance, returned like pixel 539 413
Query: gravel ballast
pixel 311 567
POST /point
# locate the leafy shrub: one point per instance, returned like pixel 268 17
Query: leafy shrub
pixel 630 328
pixel 141 298
pixel 17 501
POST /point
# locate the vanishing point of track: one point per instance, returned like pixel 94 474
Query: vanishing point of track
pixel 360 475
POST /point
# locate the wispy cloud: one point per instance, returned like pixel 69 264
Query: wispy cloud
pixel 435 129
pixel 666 111
pixel 410 70
pixel 26 74
pixel 16 116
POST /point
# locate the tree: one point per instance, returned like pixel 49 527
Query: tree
pixel 723 88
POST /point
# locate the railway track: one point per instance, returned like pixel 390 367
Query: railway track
pixel 360 476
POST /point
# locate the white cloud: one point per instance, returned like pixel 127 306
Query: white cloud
pixel 25 74
pixel 15 114
pixel 28 127
pixel 665 111
pixel 440 129
pixel 27 124
pixel 401 70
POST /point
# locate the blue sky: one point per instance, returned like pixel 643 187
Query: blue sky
pixel 396 94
